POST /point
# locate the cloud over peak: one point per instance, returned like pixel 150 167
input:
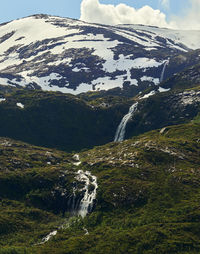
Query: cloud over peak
pixel 95 12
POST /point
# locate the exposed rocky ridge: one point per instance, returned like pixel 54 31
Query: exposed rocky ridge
pixel 68 55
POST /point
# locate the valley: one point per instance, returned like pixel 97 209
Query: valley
pixel 99 138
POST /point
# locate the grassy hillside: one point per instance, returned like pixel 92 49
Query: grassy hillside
pixel 147 202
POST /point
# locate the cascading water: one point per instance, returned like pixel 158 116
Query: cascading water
pixel 163 70
pixel 120 133
pixel 48 237
pixel 87 201
pixel 83 206
pixel 81 201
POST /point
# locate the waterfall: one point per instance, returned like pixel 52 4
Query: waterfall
pixel 166 62
pixel 120 133
pixel 48 237
pixel 87 201
pixel 81 201
pixel 78 206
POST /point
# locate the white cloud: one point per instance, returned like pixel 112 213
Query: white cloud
pixel 95 12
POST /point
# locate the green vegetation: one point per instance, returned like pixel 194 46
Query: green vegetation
pixel 28 210
pixel 197 119
pixel 71 123
pixel 148 186
pixel 148 196
pixel 61 121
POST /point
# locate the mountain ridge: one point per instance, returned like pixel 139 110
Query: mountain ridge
pixel 73 61
pixel 116 168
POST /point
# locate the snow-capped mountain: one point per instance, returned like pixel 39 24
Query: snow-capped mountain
pixel 61 54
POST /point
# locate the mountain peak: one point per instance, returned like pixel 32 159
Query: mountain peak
pixel 61 54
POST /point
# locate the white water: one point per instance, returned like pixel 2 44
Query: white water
pixel 120 133
pixel 87 201
pixel 163 70
pixel 48 237
pixel 86 231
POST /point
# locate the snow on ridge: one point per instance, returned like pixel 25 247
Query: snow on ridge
pixel 156 81
pixel 153 92
pixel 162 90
pixel 148 95
pixel 68 34
pixel 29 30
pixel 189 38
pixel 76 69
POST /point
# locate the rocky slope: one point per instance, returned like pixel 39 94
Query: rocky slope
pixel 189 77
pixel 61 54
pixel 163 109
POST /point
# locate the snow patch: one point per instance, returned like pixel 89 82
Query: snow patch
pixel 148 95
pixel 20 105
pixel 156 81
pixel 161 89
pixel 190 38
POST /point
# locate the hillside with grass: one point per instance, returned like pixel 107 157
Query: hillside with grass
pixel 147 198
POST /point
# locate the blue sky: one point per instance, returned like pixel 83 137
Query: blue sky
pixel 12 9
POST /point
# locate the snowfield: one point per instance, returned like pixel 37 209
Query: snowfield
pixel 71 56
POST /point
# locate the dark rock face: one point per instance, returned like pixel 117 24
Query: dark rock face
pixel 163 110
pixel 72 123
pixel 57 120
pixel 60 54
pixel 190 77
